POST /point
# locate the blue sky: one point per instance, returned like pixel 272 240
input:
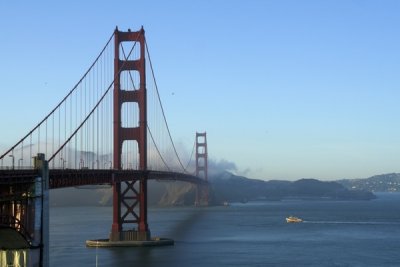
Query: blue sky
pixel 284 89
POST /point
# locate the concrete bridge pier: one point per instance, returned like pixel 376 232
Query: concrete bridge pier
pixel 24 219
pixel 42 166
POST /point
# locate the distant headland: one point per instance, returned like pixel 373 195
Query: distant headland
pixel 227 187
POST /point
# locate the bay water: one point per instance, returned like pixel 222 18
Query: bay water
pixel 334 233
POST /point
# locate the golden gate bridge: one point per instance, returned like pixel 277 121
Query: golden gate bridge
pixel 110 128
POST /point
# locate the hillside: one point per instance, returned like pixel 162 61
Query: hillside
pixel 225 187
pixel 231 188
pixel 159 194
pixel 378 183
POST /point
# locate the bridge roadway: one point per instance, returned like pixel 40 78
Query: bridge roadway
pixel 60 178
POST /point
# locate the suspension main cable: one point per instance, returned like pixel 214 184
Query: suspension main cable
pixel 148 128
pixel 162 109
pixel 191 154
pixel 130 74
pixel 62 101
pixel 95 107
pixel 158 151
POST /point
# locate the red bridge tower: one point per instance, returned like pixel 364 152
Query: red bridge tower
pixel 201 168
pixel 130 197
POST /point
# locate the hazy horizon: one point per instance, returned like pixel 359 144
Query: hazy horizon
pixel 284 89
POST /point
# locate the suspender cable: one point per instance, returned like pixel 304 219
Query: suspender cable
pixel 191 154
pixel 59 104
pixel 162 109
pixel 158 151
pixel 92 110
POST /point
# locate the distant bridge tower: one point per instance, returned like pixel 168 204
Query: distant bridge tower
pixel 130 197
pixel 201 168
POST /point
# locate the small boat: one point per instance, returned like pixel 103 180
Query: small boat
pixel 292 219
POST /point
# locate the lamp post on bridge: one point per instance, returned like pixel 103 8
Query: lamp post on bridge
pixel 62 163
pixel 12 156
pixel 20 163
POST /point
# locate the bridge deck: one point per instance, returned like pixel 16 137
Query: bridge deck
pixel 59 178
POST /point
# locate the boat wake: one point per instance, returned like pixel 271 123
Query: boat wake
pixel 348 222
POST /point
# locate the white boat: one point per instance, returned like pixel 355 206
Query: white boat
pixel 292 219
